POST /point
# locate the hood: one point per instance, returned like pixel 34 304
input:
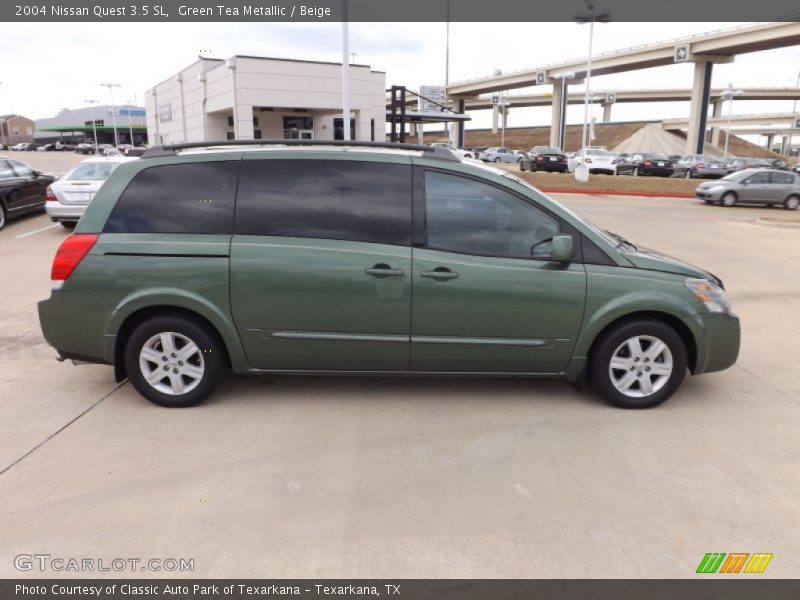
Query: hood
pixel 652 260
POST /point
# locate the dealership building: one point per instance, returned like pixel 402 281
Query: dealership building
pixel 252 97
pixel 82 123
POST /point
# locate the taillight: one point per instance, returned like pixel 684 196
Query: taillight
pixel 49 196
pixel 648 163
pixel 701 165
pixel 588 161
pixel 539 157
pixel 69 255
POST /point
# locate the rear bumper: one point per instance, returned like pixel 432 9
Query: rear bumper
pixel 64 212
pixel 72 330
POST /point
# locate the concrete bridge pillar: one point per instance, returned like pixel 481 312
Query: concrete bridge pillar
pixel 607 112
pixel 698 112
pixel 717 112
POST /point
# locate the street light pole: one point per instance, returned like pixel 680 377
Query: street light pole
pixel 2 128
pixel 728 95
pixel 345 75
pixel 94 122
pixel 111 87
pixel 794 120
pixel 590 17
pixel 130 123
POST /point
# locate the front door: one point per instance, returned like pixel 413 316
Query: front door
pixel 321 264
pixel 486 296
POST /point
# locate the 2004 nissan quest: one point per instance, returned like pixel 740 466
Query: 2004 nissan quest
pixel 369 258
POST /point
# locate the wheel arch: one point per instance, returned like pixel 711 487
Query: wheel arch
pixel 669 319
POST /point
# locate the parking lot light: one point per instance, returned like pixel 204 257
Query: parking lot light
pixel 111 87
pixel 590 17
pixel 94 122
pixel 794 120
pixel 728 95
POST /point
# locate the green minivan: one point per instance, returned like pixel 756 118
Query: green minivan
pixel 367 258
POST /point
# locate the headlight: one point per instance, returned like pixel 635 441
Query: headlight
pixel 715 188
pixel 710 294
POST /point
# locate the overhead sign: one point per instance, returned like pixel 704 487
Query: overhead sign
pixel 610 98
pixel 496 98
pixel 432 98
pixel 681 53
pixel 541 77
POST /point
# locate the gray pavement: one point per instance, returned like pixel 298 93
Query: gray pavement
pixel 348 477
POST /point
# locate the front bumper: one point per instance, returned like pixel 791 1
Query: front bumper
pixel 711 195
pixel 718 342
pixel 64 212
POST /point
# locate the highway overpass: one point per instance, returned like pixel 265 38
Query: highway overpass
pixel 703 50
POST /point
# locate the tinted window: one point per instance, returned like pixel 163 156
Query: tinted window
pixel 470 217
pixel 782 178
pixel 330 199
pixel 182 198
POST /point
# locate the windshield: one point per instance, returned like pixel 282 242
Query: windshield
pixel 736 176
pixel 94 171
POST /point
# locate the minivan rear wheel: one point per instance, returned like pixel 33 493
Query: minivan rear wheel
pixel 173 361
pixel 639 364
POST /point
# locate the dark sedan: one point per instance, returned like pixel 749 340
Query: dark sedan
pixel 646 163
pixel 22 189
pixel 544 158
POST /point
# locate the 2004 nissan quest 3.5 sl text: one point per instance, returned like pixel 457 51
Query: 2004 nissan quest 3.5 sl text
pixel 367 258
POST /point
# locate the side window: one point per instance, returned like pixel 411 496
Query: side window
pixel 782 178
pixel 22 169
pixel 326 199
pixel 758 178
pixel 471 217
pixel 181 198
pixel 5 170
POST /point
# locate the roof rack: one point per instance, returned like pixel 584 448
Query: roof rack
pixel 171 149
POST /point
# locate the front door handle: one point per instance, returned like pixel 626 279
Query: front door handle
pixel 382 271
pixel 440 273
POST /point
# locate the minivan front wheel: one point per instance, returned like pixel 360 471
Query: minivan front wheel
pixel 639 364
pixel 173 361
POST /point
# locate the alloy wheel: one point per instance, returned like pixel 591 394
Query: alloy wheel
pixel 171 363
pixel 640 366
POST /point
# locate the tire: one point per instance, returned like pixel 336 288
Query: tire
pixel 3 217
pixel 687 174
pixel 791 203
pixel 635 171
pixel 728 199
pixel 69 224
pixel 199 374
pixel 633 371
pixel 497 160
pixel 521 166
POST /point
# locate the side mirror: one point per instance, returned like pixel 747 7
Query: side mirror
pixel 563 250
pixel 37 174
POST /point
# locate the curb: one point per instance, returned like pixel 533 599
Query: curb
pixel 615 193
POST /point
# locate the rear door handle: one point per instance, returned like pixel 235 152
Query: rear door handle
pixel 382 271
pixel 440 273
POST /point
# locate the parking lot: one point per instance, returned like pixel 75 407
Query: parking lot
pixel 371 477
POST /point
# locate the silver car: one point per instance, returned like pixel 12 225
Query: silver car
pixel 68 197
pixel 701 165
pixel 753 186
pixel 498 154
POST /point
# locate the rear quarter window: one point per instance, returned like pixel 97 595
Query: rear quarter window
pixel 180 198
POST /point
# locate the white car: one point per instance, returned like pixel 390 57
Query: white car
pixel 599 160
pixel 461 152
pixel 67 198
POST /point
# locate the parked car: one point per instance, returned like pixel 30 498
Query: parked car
pixel 139 150
pixel 90 149
pixel 498 154
pixel 701 165
pixel 46 147
pixel 645 163
pixel 65 146
pixel 544 158
pixel 68 197
pixel 737 163
pixel 599 160
pixel 22 189
pixel 31 147
pixel 772 187
pixel 171 277
pixel 460 151
pixel 18 147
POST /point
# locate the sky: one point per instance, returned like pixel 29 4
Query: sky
pixel 49 66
